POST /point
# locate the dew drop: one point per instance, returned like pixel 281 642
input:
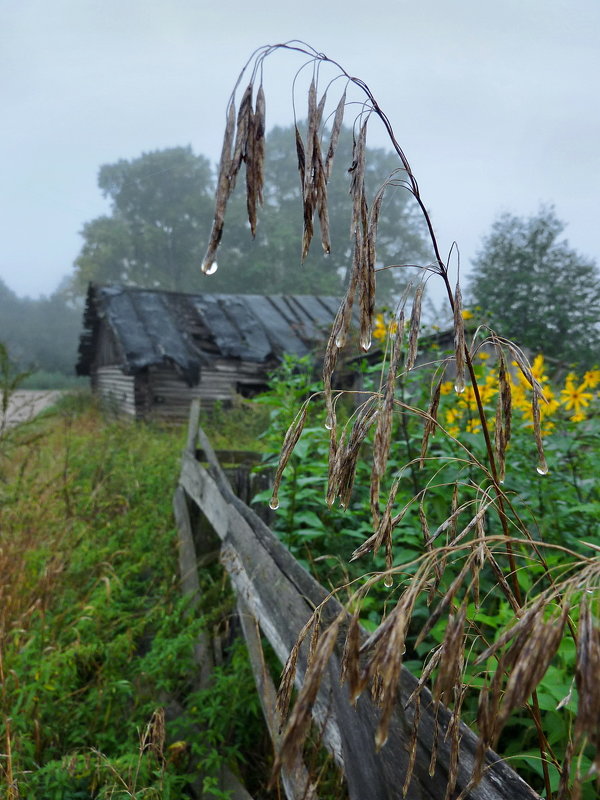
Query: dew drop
pixel 209 267
pixel 542 470
pixel 365 342
pixel 339 340
pixel 459 386
pixel 329 423
pixel 388 581
pixel 274 502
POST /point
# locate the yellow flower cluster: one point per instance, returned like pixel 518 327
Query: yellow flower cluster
pixel 574 398
pixel 382 329
pixel 464 412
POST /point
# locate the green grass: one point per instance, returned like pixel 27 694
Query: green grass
pixel 94 634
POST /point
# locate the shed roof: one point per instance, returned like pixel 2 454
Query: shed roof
pixel 151 327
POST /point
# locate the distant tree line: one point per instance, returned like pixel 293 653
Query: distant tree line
pixel 40 334
pixel 529 284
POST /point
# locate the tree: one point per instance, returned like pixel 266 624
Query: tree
pixel 537 290
pixel 162 211
pixel 40 334
pixel 160 204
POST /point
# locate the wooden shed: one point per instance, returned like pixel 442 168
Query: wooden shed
pixel 149 352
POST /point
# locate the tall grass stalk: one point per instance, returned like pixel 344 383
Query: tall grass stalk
pixel 486 537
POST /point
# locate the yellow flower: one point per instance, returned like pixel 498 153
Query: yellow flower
pixel 483 355
pixel 447 387
pixel 591 378
pixel 453 416
pixel 538 367
pixel 473 426
pixel 379 331
pixel 466 314
pixel 574 398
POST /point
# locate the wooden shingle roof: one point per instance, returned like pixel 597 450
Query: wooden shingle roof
pixel 151 327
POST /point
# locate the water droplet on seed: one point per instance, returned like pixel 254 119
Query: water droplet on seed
pixel 542 470
pixel 329 423
pixel 459 386
pixel 210 268
pixel 274 503
pixel 339 341
pixel 388 581
pixel 365 342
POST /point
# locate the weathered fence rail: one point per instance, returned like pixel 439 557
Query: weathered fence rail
pixel 277 596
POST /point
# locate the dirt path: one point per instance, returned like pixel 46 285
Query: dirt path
pixel 25 404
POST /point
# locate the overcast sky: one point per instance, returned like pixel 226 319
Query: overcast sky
pixel 495 102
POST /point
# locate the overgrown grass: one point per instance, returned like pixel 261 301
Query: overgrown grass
pixel 236 427
pixel 95 638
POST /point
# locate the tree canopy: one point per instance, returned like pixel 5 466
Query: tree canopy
pixel 537 290
pixel 40 334
pixel 160 203
pixel 162 208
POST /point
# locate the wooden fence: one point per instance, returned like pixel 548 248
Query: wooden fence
pixel 276 597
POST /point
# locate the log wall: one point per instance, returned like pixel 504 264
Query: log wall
pixel 161 393
pixel 116 389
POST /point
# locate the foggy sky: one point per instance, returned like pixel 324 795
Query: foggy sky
pixel 494 103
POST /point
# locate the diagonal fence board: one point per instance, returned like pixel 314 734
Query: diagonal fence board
pixel 281 595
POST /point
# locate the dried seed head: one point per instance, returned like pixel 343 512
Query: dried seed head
pixel 415 326
pixel 587 671
pixel 322 204
pixel 530 660
pixel 357 183
pixel 502 426
pixel 350 666
pixel 459 341
pixel 251 187
pixel 288 675
pixel 430 422
pixel 290 441
pixel 241 138
pixel 452 657
pixel 542 467
pixel 300 153
pixel 255 155
pixel 300 718
pixel 224 188
pixel 335 134
pixel 412 746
